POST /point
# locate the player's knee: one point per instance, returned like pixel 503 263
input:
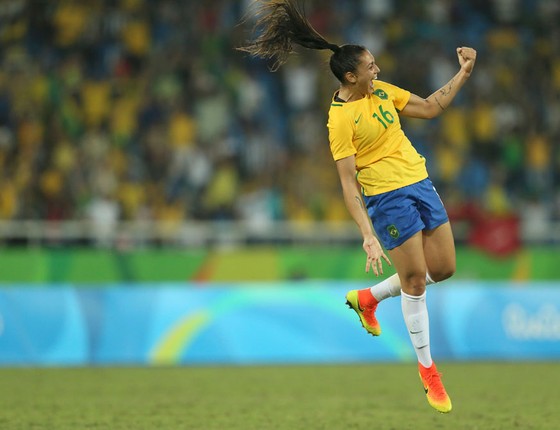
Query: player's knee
pixel 414 283
pixel 443 273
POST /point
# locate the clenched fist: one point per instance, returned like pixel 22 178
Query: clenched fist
pixel 467 58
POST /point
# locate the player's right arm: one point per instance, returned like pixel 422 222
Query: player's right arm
pixel 346 168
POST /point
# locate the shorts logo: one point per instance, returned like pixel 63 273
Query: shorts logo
pixel 393 232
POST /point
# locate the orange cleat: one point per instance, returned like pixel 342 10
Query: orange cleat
pixel 435 391
pixel 365 305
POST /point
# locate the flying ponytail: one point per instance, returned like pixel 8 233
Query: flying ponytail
pixel 281 23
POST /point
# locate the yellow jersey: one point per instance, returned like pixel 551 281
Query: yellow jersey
pixel 371 130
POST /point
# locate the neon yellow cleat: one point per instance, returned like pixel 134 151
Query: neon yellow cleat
pixel 435 391
pixel 365 305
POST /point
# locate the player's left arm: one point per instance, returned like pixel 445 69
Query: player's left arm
pixel 434 105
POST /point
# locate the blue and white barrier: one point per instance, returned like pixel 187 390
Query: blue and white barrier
pixel 300 322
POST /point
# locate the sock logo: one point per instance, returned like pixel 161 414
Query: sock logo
pixel 393 231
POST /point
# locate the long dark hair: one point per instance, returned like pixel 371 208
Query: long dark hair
pixel 280 23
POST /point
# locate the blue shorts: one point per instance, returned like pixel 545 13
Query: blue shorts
pixel 398 215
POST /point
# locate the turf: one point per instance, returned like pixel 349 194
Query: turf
pixel 485 396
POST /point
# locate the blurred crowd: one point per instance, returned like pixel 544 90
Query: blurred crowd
pixel 143 110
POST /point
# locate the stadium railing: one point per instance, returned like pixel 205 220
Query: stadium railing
pixel 205 233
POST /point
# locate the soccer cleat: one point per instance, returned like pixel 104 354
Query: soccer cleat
pixel 435 391
pixel 363 302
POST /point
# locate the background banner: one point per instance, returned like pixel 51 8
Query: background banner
pixel 252 323
pixel 81 266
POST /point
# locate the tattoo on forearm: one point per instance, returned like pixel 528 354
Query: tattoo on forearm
pixel 445 92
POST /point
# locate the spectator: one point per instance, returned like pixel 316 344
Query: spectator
pixel 145 108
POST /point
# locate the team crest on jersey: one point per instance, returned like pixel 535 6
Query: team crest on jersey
pixel 381 94
pixel 393 231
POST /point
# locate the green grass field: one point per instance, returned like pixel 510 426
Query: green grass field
pixel 485 396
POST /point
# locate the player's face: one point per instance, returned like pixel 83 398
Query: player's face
pixel 366 73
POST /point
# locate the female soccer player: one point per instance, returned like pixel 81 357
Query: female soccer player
pixel 384 180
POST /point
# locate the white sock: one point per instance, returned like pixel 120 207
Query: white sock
pixel 391 287
pixel 415 315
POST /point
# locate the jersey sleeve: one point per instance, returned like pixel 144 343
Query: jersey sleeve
pixel 341 133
